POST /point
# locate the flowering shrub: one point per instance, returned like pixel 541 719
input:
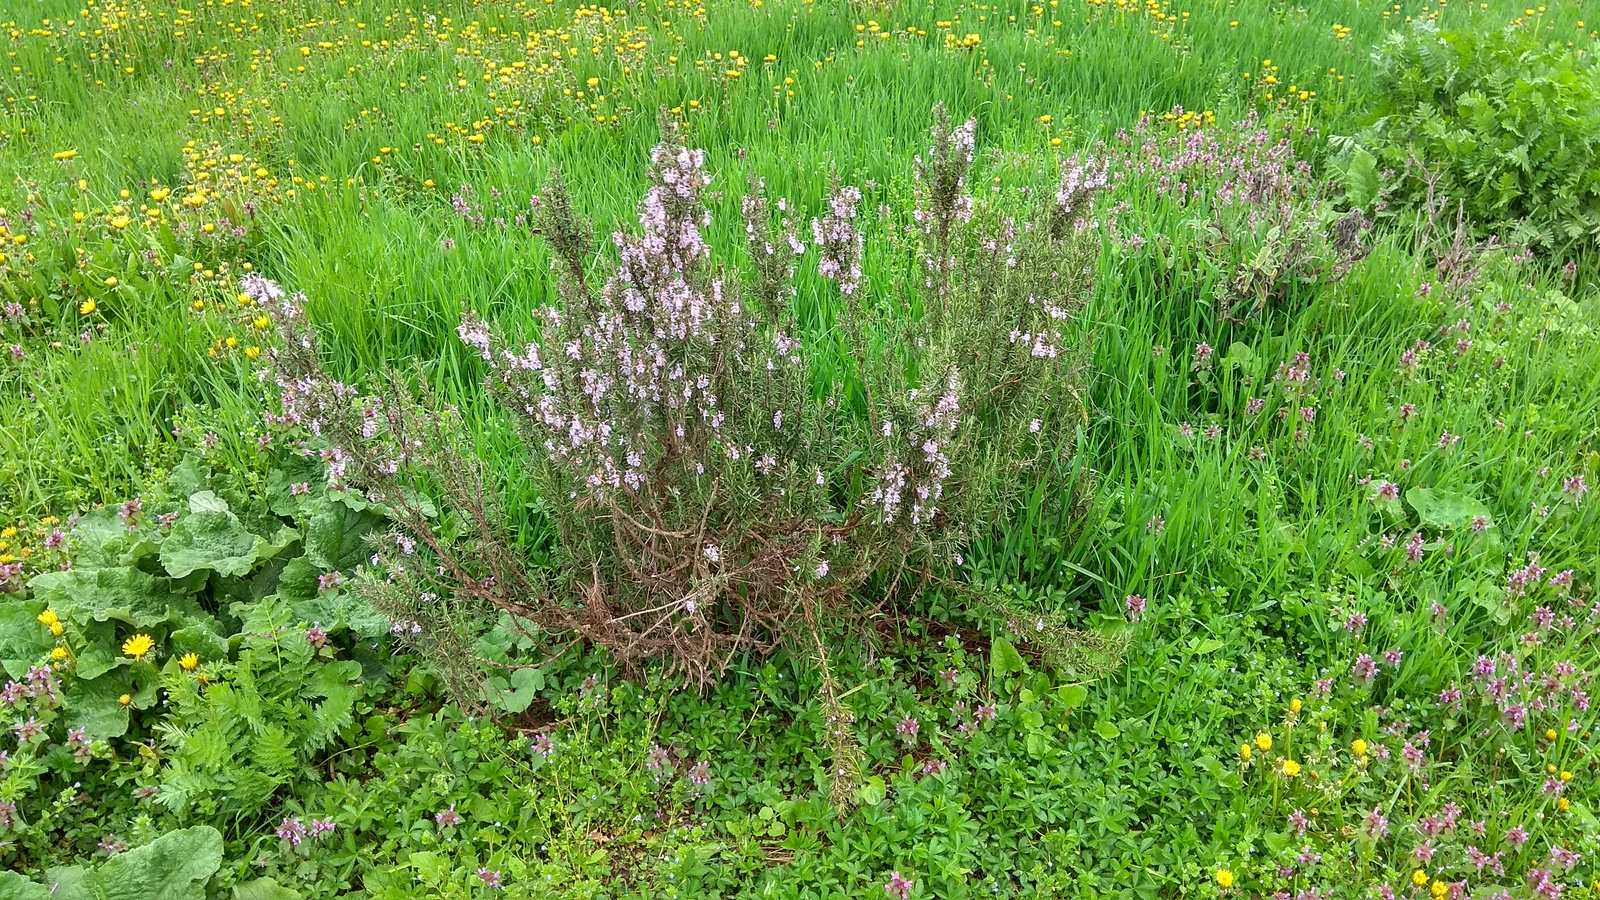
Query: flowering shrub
pixel 1246 225
pixel 706 494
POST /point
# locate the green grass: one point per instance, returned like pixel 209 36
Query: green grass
pixel 1268 542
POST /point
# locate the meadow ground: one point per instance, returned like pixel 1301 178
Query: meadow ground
pixel 1329 558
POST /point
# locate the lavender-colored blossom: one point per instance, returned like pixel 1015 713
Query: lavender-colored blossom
pixel 292 831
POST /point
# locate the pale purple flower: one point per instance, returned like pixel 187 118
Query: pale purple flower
pixel 1134 604
pixel 699 774
pixel 1375 825
pixel 292 831
pixel 1364 669
pixel 657 760
pixel 898 886
pixel 1562 858
pixel 907 729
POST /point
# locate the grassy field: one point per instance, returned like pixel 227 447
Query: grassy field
pixel 1361 519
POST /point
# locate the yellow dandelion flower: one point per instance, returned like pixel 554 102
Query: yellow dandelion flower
pixel 1295 706
pixel 1264 742
pixel 48 617
pixel 1358 747
pixel 137 646
pixel 86 307
pixel 1419 878
pixel 188 661
pixel 1291 768
pixel 1244 752
pixel 1224 878
pixel 56 629
pixel 58 654
pixel 124 700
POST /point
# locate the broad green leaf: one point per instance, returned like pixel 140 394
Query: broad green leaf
pixel 210 539
pixel 1072 696
pixel 873 791
pixel 22 639
pixel 207 502
pixel 334 608
pixel 95 660
pixel 335 536
pixel 15 887
pixel 174 866
pixel 1445 509
pixel 1106 730
pixel 120 593
pixel 427 863
pixel 1239 354
pixel 96 705
pixel 517 693
pixel 190 477
pixel 1004 658
pixel 1582 815
pixel 298 582
pixel 101 538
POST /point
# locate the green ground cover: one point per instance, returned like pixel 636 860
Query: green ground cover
pixel 1324 548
